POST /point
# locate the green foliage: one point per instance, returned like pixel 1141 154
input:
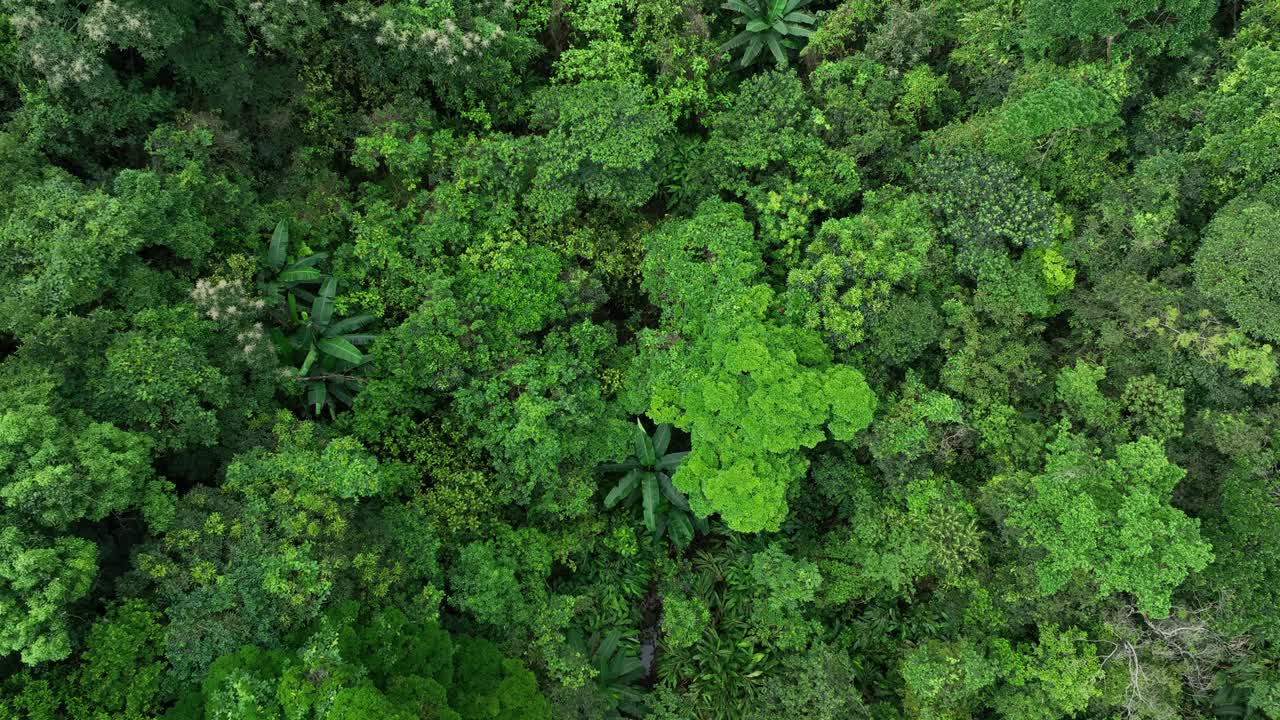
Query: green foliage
pixel 469 55
pixel 1246 552
pixel 853 267
pixel 39 582
pixel 158 377
pixel 986 206
pixel 58 471
pixel 62 476
pixel 1078 390
pixel 1152 408
pixel 1236 265
pixel 1240 123
pixel 683 620
pixel 946 679
pixel 1142 27
pixel 534 407
pixel 856 98
pixel 1058 678
pixel 487 578
pixel 328 346
pixel 1107 522
pixel 603 146
pixel 757 630
pixel 618 671
pixel 382 666
pixel 65 245
pixel 324 347
pixel 122 665
pixel 269 550
pixel 775 24
pixel 750 404
pixel 892 545
pixel 1064 125
pixel 280 276
pixel 503 584
pixel 818 683
pixel 786 586
pixel 764 147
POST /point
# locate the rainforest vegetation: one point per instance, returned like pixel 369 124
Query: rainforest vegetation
pixel 668 359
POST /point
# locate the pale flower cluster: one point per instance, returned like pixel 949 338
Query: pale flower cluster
pixel 447 43
pixel 107 21
pixel 60 71
pixel 251 339
pixel 65 43
pixel 226 301
pixel 278 21
pixel 52 50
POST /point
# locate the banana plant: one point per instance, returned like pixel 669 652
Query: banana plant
pixel 282 281
pixel 776 24
pixel 324 349
pixel 646 476
pixel 329 349
pixel 617 671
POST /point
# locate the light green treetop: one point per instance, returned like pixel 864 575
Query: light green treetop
pixel 752 392
pixel 1108 522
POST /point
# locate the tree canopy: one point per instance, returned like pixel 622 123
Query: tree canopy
pixel 604 359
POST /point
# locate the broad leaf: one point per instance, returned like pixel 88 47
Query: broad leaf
pixel 279 247
pixel 776 49
pixel 341 349
pixel 359 338
pixel 756 26
pixel 347 325
pixel 302 274
pixel 623 489
pixel 309 261
pixel 626 668
pixel 650 490
pixel 753 49
pixel 680 529
pixel 739 39
pixel 316 395
pixel 661 438
pixel 702 525
pixel 309 361
pixel 322 308
pixel 609 646
pixel 281 342
pixel 644 447
pixel 671 461
pixel 342 395
pixel 629 464
pixel 672 492
pixel 799 17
